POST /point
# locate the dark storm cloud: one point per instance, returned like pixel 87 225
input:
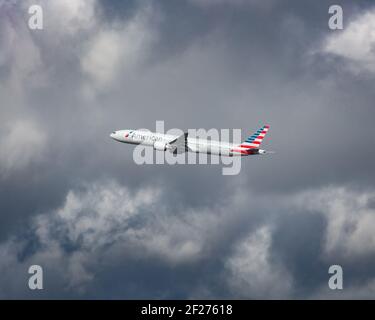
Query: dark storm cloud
pixel 300 249
pixel 260 66
pixel 124 64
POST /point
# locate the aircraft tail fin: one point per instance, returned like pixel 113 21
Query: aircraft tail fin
pixel 254 141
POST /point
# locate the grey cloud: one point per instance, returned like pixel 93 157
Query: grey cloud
pixel 193 65
pixel 103 225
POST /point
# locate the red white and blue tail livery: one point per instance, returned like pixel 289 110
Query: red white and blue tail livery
pixel 252 144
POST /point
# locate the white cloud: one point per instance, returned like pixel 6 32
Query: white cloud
pixel 108 220
pixel 66 17
pixel 252 274
pixel 113 221
pixel 117 49
pixel 356 43
pixel 96 217
pixel 21 143
pixel 103 57
pixel 177 239
pixel 98 220
pixel 22 49
pixel 104 50
pixel 350 219
pixel 91 221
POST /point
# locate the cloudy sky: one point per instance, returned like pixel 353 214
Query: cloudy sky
pixel 73 201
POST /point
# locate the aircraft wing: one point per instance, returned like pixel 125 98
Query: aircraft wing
pixel 179 145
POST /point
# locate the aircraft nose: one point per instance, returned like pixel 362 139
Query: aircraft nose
pixel 113 134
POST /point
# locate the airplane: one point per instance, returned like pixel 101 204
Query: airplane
pixel 183 143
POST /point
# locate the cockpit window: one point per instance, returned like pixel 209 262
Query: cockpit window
pixel 114 132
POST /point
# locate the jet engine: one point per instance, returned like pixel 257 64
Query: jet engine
pixel 161 146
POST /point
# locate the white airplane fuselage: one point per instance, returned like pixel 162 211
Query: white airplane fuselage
pixel 161 142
